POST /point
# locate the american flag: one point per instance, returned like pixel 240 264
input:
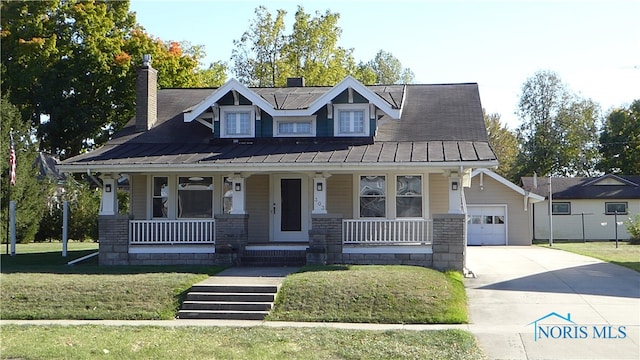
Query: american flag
pixel 12 161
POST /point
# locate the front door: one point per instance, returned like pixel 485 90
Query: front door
pixel 289 209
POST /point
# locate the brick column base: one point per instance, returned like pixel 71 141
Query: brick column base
pixel 449 248
pixel 113 237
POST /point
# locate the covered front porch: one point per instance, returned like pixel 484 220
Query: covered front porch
pixel 215 218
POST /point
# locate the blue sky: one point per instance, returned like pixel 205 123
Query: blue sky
pixel 594 46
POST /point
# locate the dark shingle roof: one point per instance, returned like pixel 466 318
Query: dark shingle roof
pixel 439 123
pixel 584 188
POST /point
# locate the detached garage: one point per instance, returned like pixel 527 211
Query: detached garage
pixel 499 212
pixel 487 225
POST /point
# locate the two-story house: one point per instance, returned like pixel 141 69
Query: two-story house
pixel 340 174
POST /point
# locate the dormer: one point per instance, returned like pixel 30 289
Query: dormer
pixel 347 110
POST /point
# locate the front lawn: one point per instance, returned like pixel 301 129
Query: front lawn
pixel 376 294
pixel 625 255
pixel 128 342
pixel 37 284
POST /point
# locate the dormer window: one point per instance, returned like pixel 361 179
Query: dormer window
pixel 351 119
pixel 237 121
pixel 298 126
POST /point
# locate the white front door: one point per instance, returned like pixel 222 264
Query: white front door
pixel 487 225
pixel 289 208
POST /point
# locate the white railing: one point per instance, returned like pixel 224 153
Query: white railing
pixel 386 232
pixel 158 232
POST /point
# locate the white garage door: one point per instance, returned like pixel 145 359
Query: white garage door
pixel 487 225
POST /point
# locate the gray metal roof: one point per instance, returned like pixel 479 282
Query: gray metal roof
pixel 584 187
pixel 439 123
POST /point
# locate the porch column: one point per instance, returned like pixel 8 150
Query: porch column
pixel 109 199
pixel 455 193
pixel 238 195
pixel 320 194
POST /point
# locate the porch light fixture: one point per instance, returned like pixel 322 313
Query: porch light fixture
pixel 238 187
pixel 319 186
pixel 454 185
pixel 107 188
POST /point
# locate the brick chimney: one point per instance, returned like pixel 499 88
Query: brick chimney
pixel 146 95
pixel 295 82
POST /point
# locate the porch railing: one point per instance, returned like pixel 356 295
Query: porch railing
pixel 158 232
pixel 386 232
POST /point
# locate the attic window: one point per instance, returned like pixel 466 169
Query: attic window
pixel 295 126
pixel 351 119
pixel 237 121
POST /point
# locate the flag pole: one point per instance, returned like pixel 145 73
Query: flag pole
pixel 8 202
pixel 12 181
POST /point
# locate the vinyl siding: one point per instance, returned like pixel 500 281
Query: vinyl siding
pixel 438 195
pixel 495 193
pixel 570 226
pixel 340 195
pixel 257 206
pixel 138 186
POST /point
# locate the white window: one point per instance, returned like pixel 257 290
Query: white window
pixel 561 208
pixel 373 199
pixel 616 208
pixel 408 196
pixel 160 196
pixel 195 197
pixel 237 121
pixel 351 119
pixel 296 126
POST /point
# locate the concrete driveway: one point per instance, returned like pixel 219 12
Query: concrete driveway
pixel 538 303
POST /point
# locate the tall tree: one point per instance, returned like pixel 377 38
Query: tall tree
pixel 558 134
pixel 312 50
pixel 73 63
pixel 258 54
pixel 503 142
pixel 389 70
pixel 27 192
pixel 620 141
pixel 266 56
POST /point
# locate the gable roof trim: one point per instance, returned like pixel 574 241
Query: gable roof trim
pixel 348 82
pixel 508 184
pixel 609 176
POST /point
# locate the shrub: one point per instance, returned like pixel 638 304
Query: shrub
pixel 633 228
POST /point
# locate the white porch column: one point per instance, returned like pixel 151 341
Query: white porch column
pixel 455 193
pixel 319 194
pixel 238 195
pixel 109 199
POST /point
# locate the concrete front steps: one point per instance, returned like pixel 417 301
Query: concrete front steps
pixel 228 301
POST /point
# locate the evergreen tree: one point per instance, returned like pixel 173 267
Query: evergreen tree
pixel 28 192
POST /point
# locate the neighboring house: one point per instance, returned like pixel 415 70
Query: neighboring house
pixel 499 211
pixel 585 208
pixel 342 174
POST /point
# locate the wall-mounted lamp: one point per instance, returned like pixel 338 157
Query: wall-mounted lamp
pixel 319 186
pixel 107 188
pixel 454 185
pixel 238 186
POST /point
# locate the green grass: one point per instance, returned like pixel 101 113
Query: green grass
pixel 375 294
pixel 88 342
pixel 625 255
pixel 37 284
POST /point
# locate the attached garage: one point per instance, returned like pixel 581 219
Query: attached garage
pixel 487 225
pixel 499 212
